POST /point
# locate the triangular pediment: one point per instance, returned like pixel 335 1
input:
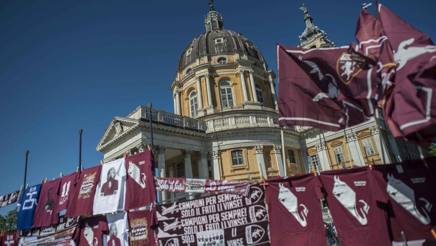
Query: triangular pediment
pixel 118 127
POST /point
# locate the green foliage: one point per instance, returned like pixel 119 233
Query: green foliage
pixel 432 149
pixel 9 221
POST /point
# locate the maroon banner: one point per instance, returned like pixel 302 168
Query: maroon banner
pixel 224 219
pixel 140 190
pixel 140 232
pixel 411 200
pixel 45 214
pixel 294 208
pixel 353 197
pixel 10 239
pixel 66 191
pixel 83 198
pixel 202 186
pixel 327 88
pixel 410 108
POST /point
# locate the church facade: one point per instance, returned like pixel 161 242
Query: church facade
pixel 225 113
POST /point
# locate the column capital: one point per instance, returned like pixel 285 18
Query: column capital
pixel 321 146
pixel 350 136
pixel 215 155
pixel 259 149
pixel 278 149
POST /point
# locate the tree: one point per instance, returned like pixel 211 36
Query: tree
pixel 9 221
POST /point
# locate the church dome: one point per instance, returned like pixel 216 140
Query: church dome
pixel 218 42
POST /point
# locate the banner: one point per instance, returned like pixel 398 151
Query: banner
pixel 202 186
pixel 61 235
pixel 354 197
pixel 140 186
pixel 9 199
pixel 224 219
pixel 327 88
pixel 295 212
pixel 27 206
pixel 410 108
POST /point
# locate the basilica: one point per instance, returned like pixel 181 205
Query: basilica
pixel 224 124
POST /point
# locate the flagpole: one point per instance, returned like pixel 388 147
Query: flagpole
pixel 154 168
pixel 80 149
pixel 26 162
pixel 282 136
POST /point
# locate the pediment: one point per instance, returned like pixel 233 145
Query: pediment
pixel 118 127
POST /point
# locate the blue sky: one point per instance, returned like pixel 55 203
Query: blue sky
pixel 66 65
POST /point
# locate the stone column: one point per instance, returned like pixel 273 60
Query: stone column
pixel 203 168
pixel 253 87
pixel 355 150
pixel 279 160
pixel 244 86
pixel 162 167
pixel 216 165
pixel 261 162
pixel 273 92
pixel 199 94
pixel 174 103
pixel 323 156
pixel 177 102
pixel 381 143
pixel 209 94
pixel 188 164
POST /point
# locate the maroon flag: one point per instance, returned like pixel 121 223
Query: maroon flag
pixel 45 214
pixel 140 190
pixel 66 191
pixel 295 213
pixel 140 224
pixel 410 107
pixel 328 88
pixel 353 198
pixel 82 201
pixel 411 200
pixel 10 238
pixel 373 44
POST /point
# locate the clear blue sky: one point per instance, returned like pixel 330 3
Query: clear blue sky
pixel 66 65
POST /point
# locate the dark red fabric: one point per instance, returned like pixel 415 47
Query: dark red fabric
pixel 45 214
pixel 10 239
pixel 114 241
pixel 140 223
pixel 66 191
pixel 410 108
pixel 373 44
pixel 90 231
pixel 408 186
pixel 295 213
pixel 140 189
pixel 355 199
pixel 83 198
pixel 315 90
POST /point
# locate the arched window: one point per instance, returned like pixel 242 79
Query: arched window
pixel 226 94
pixel 259 93
pixel 222 60
pixel 193 105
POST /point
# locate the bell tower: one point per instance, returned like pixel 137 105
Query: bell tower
pixel 313 36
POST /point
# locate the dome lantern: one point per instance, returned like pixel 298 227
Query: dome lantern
pixel 213 21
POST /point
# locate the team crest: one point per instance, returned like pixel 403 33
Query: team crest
pixel 347 68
